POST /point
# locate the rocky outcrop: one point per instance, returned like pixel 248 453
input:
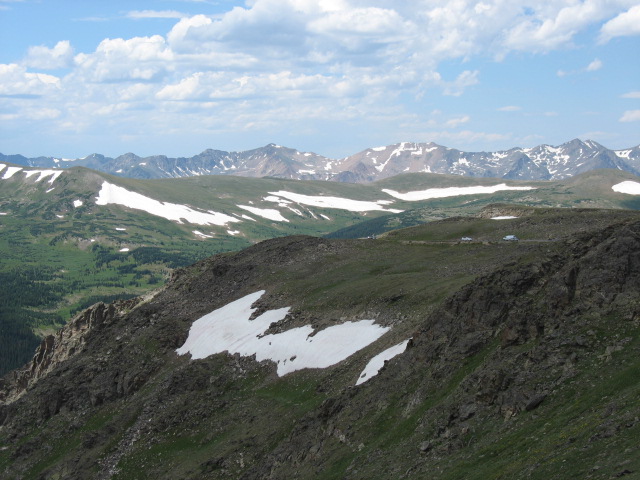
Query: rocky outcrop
pixel 64 344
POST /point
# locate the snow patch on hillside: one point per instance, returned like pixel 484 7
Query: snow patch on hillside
pixel 11 171
pixel 202 235
pixel 44 174
pixel 628 187
pixel 229 329
pixel 377 362
pixel 503 217
pixel 336 202
pixel 113 194
pixel 268 213
pixel 450 192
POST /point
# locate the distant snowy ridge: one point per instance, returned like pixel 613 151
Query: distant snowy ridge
pixel 544 162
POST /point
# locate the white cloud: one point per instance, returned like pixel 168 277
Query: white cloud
pixel 623 25
pixel 510 108
pixel 464 80
pixel 16 81
pixel 552 25
pixel 139 58
pixel 635 94
pixel 41 57
pixel 456 122
pixel 255 67
pixel 139 14
pixel 630 116
pixel 595 65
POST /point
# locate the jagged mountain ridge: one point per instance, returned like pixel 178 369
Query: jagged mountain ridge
pixel 517 350
pixel 543 162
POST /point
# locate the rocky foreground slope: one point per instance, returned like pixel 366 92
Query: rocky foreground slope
pixel 523 362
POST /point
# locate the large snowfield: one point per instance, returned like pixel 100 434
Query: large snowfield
pixel 113 194
pixel 450 192
pixel 229 329
pixel 628 187
pixel 335 202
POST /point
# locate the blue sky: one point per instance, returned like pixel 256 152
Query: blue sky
pixel 328 76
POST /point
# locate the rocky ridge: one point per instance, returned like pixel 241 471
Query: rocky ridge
pixel 532 352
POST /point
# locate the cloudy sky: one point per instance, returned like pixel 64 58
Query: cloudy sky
pixel 328 76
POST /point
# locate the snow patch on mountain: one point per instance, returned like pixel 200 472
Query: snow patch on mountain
pixel 44 174
pixel 336 202
pixel 450 192
pixel 11 171
pixel 628 187
pixel 377 362
pixel 229 329
pixel 201 235
pixel 268 213
pixel 113 194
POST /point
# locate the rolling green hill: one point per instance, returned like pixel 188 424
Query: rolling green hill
pixel 78 236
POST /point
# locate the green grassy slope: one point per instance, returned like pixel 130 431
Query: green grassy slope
pixel 75 252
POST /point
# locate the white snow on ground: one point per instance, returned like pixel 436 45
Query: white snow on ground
pixel 247 217
pixel 503 217
pixel 325 217
pixel 120 229
pixel 113 194
pixel 60 216
pixel 77 203
pixel 269 213
pixel 450 192
pixel 124 250
pixel 2 166
pixel 233 232
pixel 377 362
pixel 10 172
pixel 620 153
pixel 3 213
pixel 200 234
pixel 280 201
pixel 229 329
pixel 629 187
pixel 379 149
pixel 44 174
pixel 336 202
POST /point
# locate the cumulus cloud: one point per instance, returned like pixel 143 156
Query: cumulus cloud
pixel 631 95
pixel 510 108
pixel 271 59
pixel 42 57
pixel 15 81
pixel 624 24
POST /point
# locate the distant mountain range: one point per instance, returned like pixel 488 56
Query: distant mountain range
pixel 543 162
